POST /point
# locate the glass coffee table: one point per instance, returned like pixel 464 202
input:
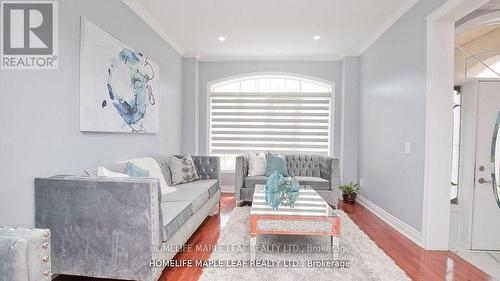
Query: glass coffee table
pixel 311 215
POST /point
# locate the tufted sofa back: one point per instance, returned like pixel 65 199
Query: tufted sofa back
pixel 303 164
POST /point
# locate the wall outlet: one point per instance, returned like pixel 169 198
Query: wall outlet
pixel 407 147
pixel 360 182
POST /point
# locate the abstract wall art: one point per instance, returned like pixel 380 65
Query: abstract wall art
pixel 119 87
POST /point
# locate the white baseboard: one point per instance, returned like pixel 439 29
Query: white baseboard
pixel 408 231
pixel 227 189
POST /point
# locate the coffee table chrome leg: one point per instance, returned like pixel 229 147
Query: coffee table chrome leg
pixel 335 244
pixel 253 245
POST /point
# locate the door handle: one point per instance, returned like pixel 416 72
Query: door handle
pixel 482 180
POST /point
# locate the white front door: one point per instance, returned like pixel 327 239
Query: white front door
pixel 486 208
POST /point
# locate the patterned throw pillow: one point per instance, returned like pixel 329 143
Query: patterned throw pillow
pixel 182 169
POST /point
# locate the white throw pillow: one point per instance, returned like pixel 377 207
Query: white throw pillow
pixel 256 164
pixel 148 163
pixel 103 172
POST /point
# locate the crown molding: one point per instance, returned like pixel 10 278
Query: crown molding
pixel 139 10
pixel 195 55
pixel 398 13
pixel 268 58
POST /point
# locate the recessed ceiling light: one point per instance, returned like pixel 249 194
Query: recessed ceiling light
pixel 316 37
pixel 222 38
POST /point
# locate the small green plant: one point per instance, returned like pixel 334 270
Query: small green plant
pixel 350 188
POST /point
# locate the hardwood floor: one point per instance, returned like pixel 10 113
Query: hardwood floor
pixel 416 262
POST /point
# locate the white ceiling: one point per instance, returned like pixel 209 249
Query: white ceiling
pixel 270 28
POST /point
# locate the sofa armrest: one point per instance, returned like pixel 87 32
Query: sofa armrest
pixel 208 167
pixel 330 171
pixel 101 227
pixel 240 174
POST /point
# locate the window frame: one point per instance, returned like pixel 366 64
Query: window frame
pixel 277 75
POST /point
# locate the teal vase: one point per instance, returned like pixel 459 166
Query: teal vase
pixel 290 191
pixel 273 189
pixel 281 191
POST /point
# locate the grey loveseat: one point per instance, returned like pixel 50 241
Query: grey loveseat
pixel 118 227
pixel 320 172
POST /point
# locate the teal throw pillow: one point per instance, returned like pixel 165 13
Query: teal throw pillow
pixel 276 162
pixel 134 171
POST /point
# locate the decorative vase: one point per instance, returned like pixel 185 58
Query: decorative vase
pixel 281 191
pixel 349 198
pixel 273 188
pixel 290 192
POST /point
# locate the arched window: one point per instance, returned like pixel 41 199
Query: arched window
pixel 479 70
pixel 278 113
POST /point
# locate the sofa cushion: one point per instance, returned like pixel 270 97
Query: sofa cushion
pixel 213 189
pixel 316 183
pixel 174 215
pixel 178 206
pixel 197 192
pixel 189 191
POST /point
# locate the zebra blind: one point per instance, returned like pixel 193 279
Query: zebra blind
pixel 286 122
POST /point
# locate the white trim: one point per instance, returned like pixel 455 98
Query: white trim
pixel 196 55
pixel 398 13
pixel 438 123
pixel 401 227
pixel 203 58
pixel 197 108
pixel 137 8
pixel 490 18
pixel 331 123
pixel 271 73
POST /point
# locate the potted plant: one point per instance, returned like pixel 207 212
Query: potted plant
pixel 349 192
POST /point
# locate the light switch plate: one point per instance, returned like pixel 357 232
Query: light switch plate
pixel 407 147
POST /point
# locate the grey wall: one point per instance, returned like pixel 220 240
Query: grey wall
pixel 210 71
pixel 344 131
pixel 392 112
pixel 349 123
pixel 40 110
pixel 190 106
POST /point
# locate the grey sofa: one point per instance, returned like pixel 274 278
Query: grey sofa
pixel 320 172
pixel 118 227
